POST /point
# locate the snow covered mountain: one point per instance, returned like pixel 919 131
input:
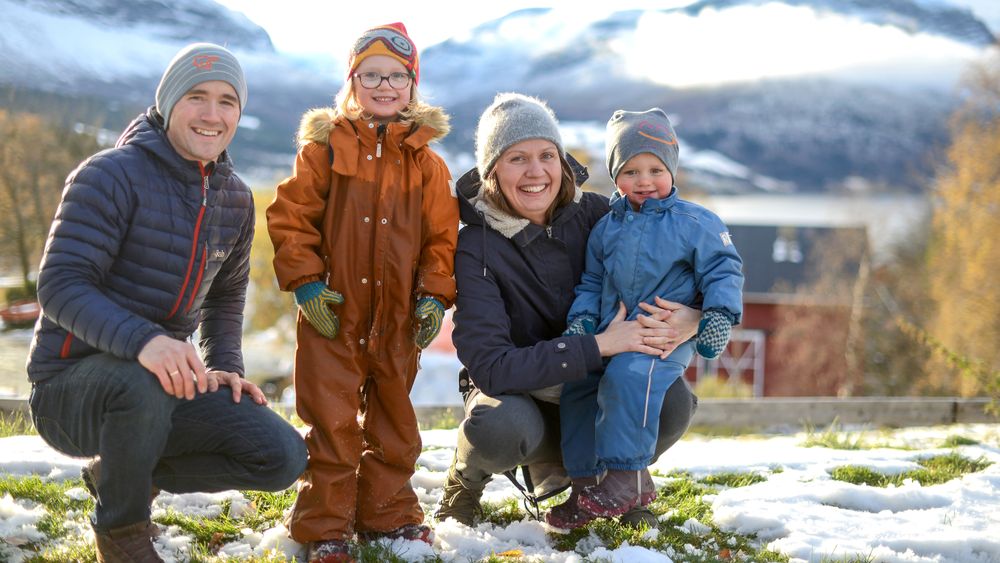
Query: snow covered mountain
pixel 813 93
pixel 802 95
pixel 99 61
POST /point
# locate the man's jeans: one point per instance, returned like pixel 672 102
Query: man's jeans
pixel 117 409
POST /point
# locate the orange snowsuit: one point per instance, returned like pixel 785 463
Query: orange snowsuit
pixel 377 221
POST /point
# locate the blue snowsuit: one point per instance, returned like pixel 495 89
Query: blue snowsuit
pixel 670 248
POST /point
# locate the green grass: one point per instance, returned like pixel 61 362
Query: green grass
pixel 835 438
pixel 955 441
pixel 680 500
pixel 16 424
pixel 933 471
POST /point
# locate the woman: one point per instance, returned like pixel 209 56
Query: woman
pixel 518 260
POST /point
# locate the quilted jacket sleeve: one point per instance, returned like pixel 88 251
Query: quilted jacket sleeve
pixel 222 312
pixel 90 223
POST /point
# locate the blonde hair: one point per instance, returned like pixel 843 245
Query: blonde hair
pixel 490 191
pixel 347 103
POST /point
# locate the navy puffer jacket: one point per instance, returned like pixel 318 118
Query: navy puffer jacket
pixel 144 243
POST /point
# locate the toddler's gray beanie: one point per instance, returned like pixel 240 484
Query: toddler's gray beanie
pixel 194 64
pixel 510 119
pixel 634 132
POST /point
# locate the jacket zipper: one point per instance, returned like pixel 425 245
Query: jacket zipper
pixel 201 274
pixel 194 242
pixel 373 307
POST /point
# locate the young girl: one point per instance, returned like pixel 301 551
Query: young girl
pixel 364 233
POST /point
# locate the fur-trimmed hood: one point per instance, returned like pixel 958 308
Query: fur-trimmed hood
pixel 317 123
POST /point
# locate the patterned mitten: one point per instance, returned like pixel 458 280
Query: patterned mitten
pixel 713 333
pixel 430 313
pixel 584 324
pixel 314 299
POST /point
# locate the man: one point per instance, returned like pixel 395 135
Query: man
pixel 150 242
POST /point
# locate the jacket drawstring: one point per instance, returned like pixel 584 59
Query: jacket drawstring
pixel 483 217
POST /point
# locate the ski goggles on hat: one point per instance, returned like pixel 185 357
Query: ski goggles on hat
pixel 392 39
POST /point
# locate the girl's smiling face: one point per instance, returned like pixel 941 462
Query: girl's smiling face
pixel 384 102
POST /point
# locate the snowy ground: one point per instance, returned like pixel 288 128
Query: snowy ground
pixel 799 510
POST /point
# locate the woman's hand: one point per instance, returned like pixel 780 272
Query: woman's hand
pixel 681 320
pixel 648 336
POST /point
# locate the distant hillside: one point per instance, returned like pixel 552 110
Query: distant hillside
pixel 842 90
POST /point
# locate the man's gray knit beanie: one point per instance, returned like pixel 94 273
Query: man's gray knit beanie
pixel 192 65
pixel 634 132
pixel 510 119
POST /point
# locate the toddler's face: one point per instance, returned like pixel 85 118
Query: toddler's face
pixel 383 101
pixel 644 177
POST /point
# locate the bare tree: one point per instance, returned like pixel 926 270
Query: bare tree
pixel 35 157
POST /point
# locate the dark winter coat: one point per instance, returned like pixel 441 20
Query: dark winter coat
pixel 515 286
pixel 144 243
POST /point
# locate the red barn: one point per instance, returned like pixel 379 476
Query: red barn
pixel 801 302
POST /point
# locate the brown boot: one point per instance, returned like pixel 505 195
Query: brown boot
pixel 460 499
pixel 128 544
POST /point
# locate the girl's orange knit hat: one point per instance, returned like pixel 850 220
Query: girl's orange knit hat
pixel 390 40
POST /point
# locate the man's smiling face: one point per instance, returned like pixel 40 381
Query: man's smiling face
pixel 203 122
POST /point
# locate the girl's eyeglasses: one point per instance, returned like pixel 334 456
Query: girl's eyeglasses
pixel 371 80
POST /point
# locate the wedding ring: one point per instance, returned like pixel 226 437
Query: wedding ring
pixel 175 373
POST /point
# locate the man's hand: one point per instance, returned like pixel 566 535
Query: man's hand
pixel 176 364
pixel 238 385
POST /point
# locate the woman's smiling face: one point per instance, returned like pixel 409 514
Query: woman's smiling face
pixel 529 174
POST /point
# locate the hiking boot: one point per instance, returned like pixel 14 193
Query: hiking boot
pixel 330 551
pixel 618 492
pixel 91 473
pixel 128 544
pixel 460 499
pixel 639 516
pixel 647 488
pixel 409 532
pixel 568 515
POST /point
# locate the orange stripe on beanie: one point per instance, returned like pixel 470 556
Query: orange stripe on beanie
pixel 390 40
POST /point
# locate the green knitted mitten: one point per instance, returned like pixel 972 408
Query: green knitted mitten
pixel 713 333
pixel 315 299
pixel 430 314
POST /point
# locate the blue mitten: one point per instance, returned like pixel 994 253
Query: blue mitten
pixel 430 314
pixel 314 299
pixel 713 333
pixel 584 324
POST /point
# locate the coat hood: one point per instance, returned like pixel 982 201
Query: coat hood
pixel 317 123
